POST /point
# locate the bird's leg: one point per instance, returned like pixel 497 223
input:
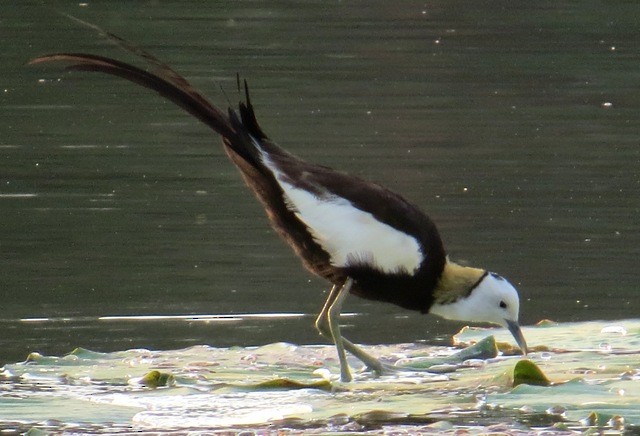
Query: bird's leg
pixel 370 362
pixel 322 322
pixel 333 318
pixel 324 325
pixel 327 324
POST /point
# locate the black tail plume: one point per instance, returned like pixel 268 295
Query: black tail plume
pixel 181 94
pixel 248 115
pixel 237 132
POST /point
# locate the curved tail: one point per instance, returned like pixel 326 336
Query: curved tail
pixel 236 131
pixel 244 141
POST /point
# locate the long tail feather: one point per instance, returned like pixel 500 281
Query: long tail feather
pixel 160 68
pixel 244 141
pixel 186 98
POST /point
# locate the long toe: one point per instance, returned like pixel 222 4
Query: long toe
pixel 380 368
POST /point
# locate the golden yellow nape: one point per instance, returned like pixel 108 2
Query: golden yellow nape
pixel 456 281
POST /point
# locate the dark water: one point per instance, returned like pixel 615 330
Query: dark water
pixel 514 124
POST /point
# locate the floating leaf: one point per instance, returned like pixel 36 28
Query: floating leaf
pixel 546 323
pixel 35 431
pixel 591 420
pixel 87 354
pixel 217 391
pixel 156 379
pixel 378 417
pixel 483 349
pixel 596 419
pixel 34 357
pixel 68 360
pixel 289 384
pixel 527 372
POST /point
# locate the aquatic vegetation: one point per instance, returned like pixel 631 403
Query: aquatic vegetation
pixel 589 378
pixel 527 372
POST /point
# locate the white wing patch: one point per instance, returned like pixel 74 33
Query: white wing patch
pixel 350 235
pixel 347 233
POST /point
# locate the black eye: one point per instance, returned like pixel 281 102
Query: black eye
pixel 503 305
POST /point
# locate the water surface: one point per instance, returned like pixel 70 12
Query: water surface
pixel 295 389
pixel 514 124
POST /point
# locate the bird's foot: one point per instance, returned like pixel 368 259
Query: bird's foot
pixel 380 368
pixel 345 375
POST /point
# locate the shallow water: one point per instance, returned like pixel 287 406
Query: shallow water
pixel 514 124
pixel 593 368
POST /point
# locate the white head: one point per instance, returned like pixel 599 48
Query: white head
pixel 491 299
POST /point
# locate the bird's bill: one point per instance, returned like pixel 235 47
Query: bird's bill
pixel 514 328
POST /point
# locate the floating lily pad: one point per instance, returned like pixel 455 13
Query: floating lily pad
pixel 87 354
pixel 256 388
pixel 527 372
pixel 546 323
pixel 157 379
pixel 289 384
pixel 483 349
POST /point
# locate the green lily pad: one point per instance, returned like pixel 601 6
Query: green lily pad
pixel 289 384
pixel 596 419
pixel 255 387
pixel 379 417
pixel 35 431
pixel 87 354
pixel 484 349
pixel 527 372
pixel 157 379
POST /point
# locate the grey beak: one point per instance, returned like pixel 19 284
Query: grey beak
pixel 514 328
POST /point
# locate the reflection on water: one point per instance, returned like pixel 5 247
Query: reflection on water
pixel 513 124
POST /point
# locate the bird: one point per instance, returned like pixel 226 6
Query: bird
pixel 361 237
